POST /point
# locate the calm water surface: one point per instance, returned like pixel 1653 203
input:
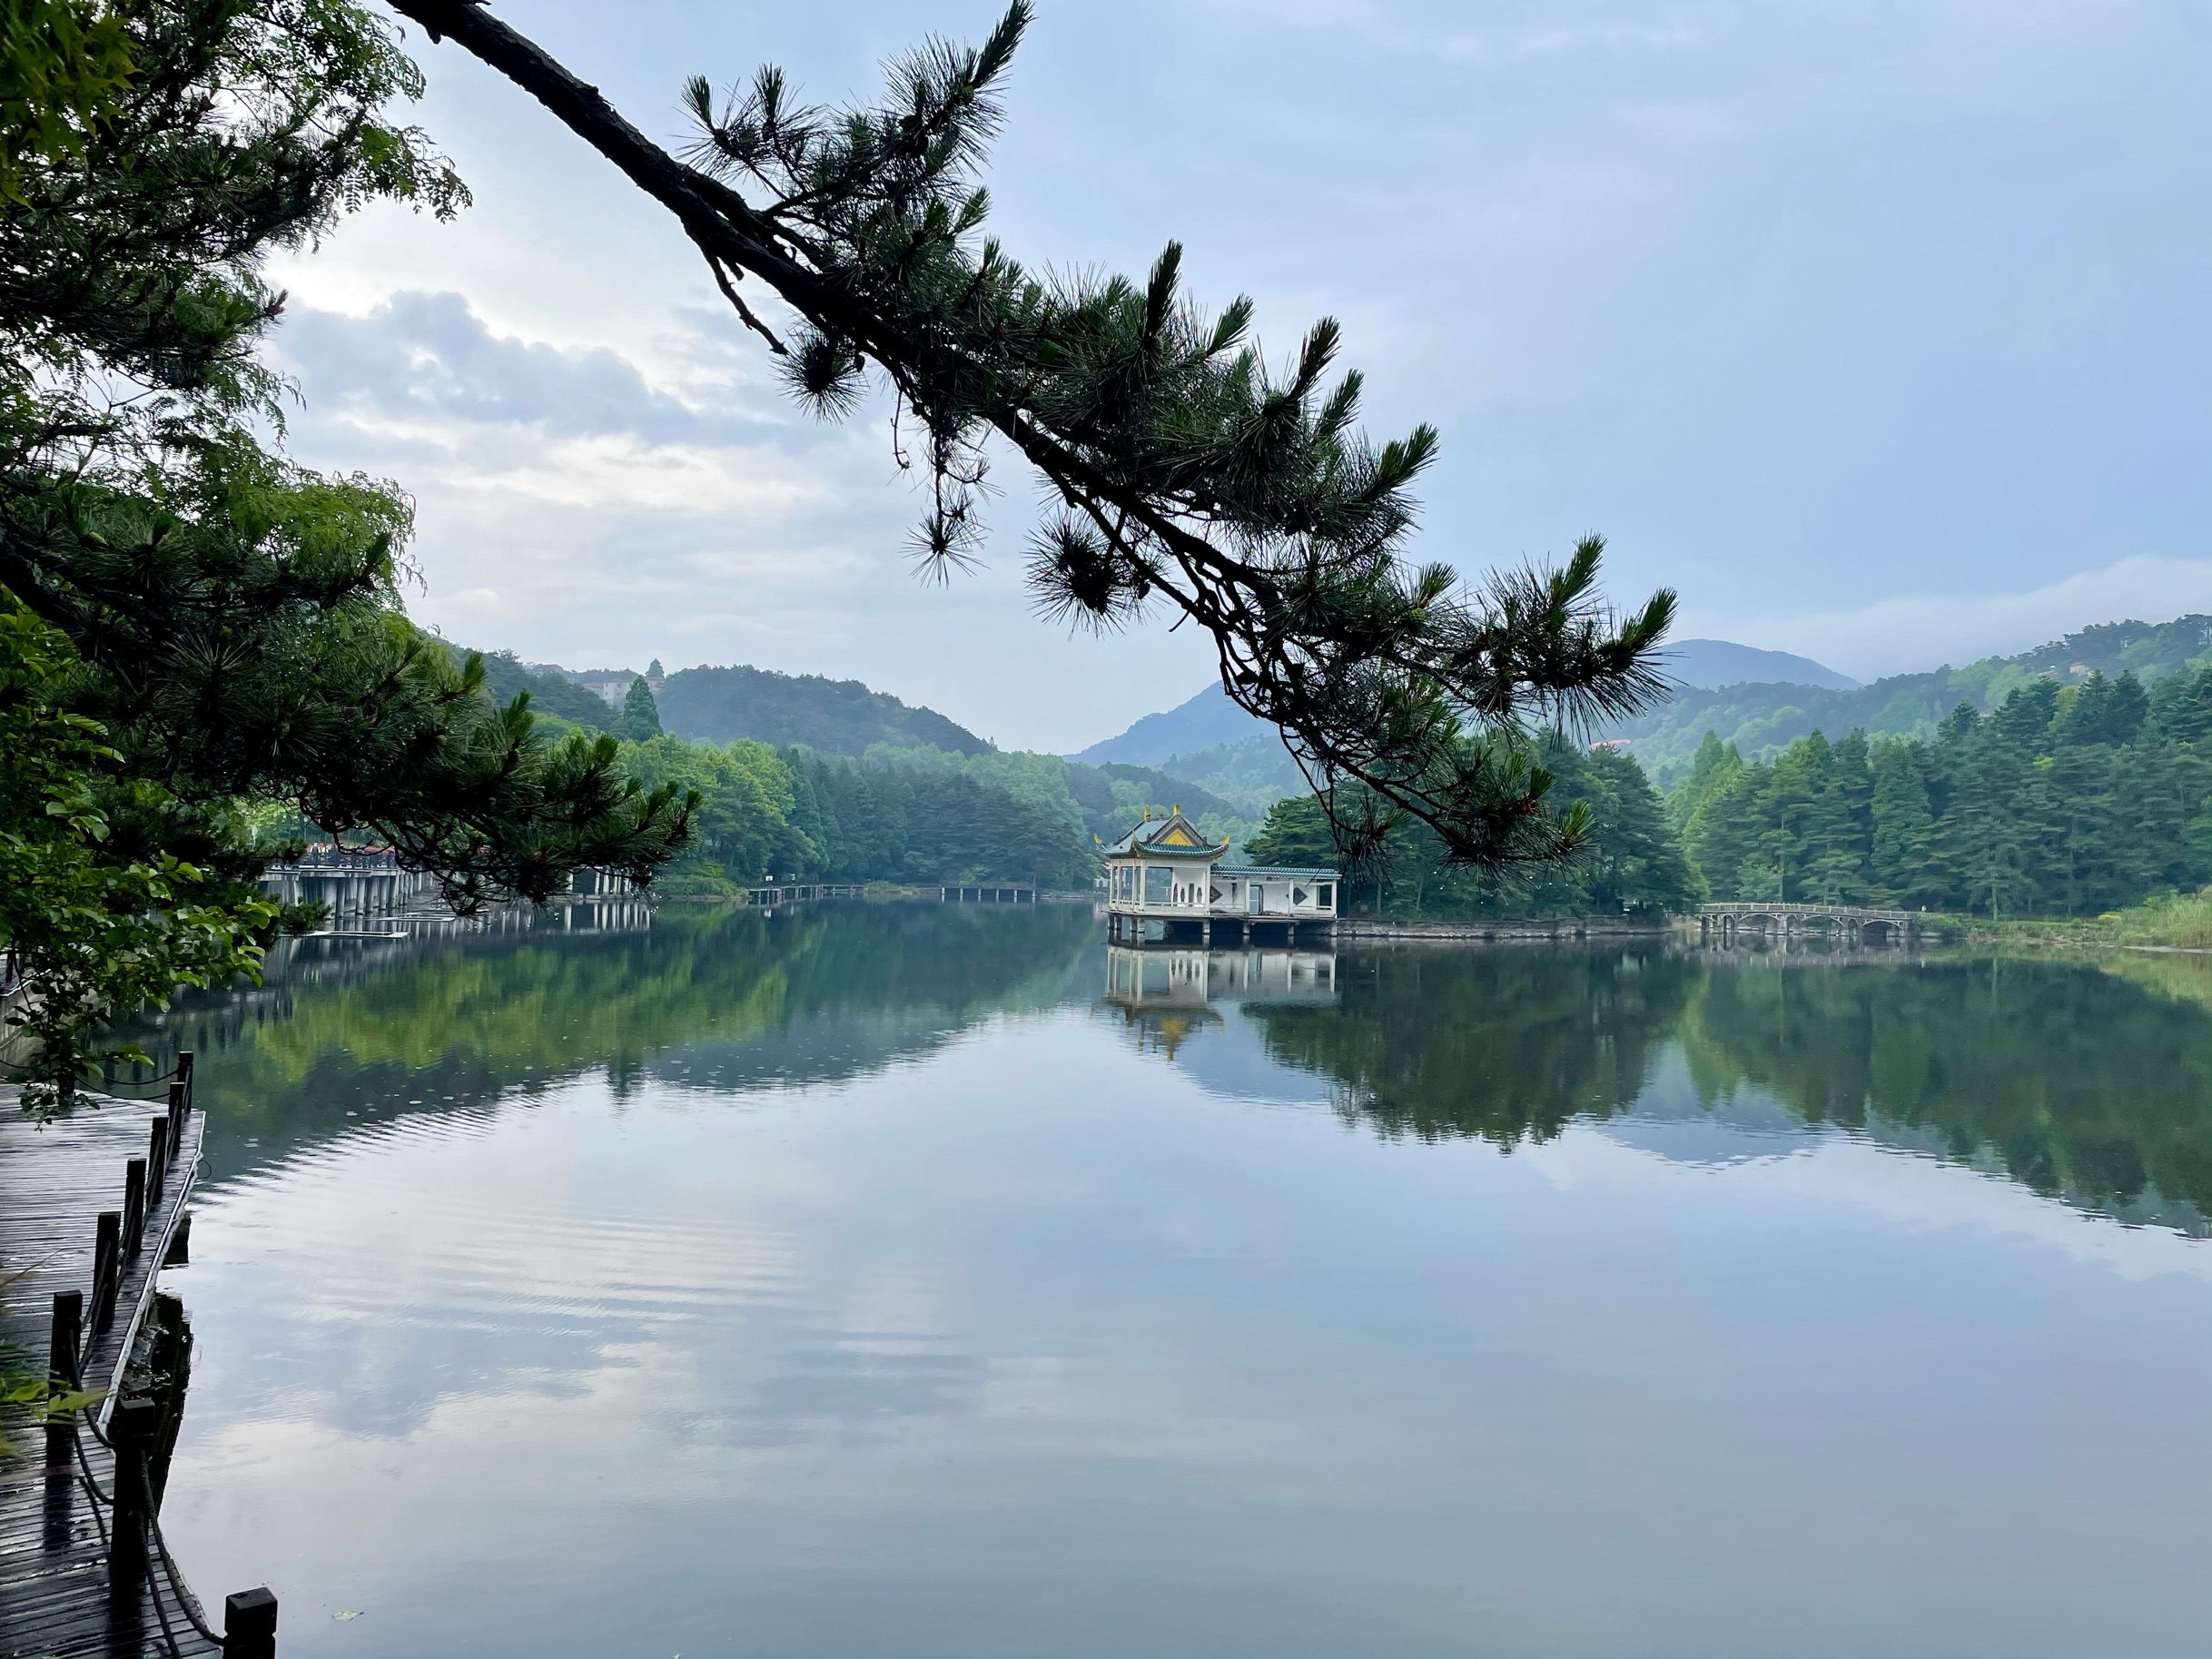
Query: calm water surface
pixel 907 1283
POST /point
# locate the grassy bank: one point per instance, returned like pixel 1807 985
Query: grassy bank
pixel 2182 922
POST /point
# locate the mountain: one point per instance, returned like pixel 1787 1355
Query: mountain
pixel 551 691
pixel 723 705
pixel 1761 720
pixel 1711 664
pixel 1252 776
pixel 1206 721
pixel 1209 722
pixel 834 716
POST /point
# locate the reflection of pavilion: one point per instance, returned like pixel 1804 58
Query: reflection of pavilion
pixel 1197 979
pixel 1171 992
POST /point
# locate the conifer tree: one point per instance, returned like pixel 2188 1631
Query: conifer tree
pixel 1901 863
pixel 217 623
pixel 1189 472
pixel 640 716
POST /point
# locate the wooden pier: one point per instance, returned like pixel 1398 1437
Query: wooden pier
pixel 988 892
pixel 777 895
pixel 92 1207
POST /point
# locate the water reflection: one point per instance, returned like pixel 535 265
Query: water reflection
pixel 2089 1083
pixel 344 1029
pixel 1163 995
pixel 907 1281
pixel 2077 1082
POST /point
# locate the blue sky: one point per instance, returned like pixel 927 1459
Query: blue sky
pixel 1879 330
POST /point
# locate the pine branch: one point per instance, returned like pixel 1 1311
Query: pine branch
pixel 1186 468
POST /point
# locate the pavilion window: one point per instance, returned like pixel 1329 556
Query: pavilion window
pixel 1159 884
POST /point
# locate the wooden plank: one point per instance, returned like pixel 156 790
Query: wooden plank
pixel 56 1595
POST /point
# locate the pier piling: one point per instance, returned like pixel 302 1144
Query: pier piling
pixel 250 1625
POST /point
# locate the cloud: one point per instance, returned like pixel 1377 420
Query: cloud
pixel 589 502
pixel 428 360
pixel 1915 632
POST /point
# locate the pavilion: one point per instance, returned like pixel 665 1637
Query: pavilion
pixel 1168 884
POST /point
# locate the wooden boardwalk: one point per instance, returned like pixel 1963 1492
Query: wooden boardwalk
pixel 64 1592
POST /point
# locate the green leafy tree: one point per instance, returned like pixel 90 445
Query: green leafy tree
pixel 1187 471
pixel 2034 811
pixel 91 918
pixel 1631 861
pixel 742 828
pixel 64 64
pixel 228 623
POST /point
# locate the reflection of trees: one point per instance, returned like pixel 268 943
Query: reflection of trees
pixel 1503 1044
pixel 2082 1083
pixel 459 1023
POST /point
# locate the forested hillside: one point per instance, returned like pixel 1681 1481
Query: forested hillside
pixel 1634 862
pixel 913 815
pixel 507 675
pixel 2065 801
pixel 834 716
pixel 1761 720
pixel 890 808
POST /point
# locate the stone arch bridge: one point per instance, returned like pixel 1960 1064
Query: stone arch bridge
pixel 1850 925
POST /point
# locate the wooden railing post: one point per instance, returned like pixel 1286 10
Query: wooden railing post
pixel 107 1264
pixel 131 1429
pixel 180 1104
pixel 157 1160
pixel 134 1205
pixel 63 1344
pixel 64 1353
pixel 184 1070
pixel 249 1625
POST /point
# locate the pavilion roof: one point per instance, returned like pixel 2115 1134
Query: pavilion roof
pixel 1173 836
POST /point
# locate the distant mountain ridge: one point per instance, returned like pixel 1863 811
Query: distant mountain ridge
pixel 1761 720
pixel 835 717
pixel 719 706
pixel 1711 664
pixel 1206 721
pixel 1210 721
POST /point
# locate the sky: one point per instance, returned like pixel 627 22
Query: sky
pixel 1878 331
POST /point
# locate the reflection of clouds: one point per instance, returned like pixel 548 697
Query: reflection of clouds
pixel 1036 1334
pixel 1900 1192
pixel 1063 1408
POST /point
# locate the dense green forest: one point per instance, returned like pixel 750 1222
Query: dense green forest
pixel 1763 720
pixel 835 716
pixel 856 806
pixel 2067 801
pixel 1632 864
pixel 723 705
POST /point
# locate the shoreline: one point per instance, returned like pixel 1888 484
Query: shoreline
pixel 1564 928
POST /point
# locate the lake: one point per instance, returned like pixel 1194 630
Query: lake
pixel 919 1281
